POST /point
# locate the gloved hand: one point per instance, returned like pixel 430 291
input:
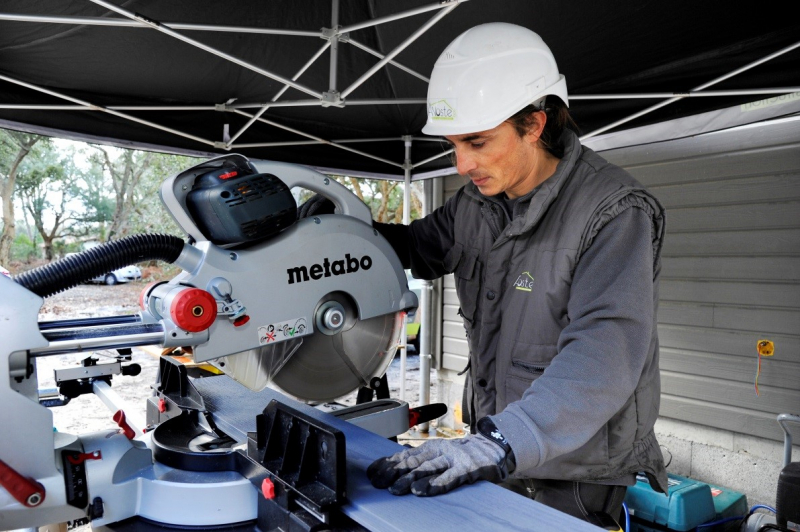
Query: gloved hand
pixel 316 204
pixel 438 466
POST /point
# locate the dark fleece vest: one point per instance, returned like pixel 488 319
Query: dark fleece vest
pixel 546 244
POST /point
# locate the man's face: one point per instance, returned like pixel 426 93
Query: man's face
pixel 497 160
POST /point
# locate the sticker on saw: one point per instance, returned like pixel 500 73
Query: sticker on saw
pixel 283 330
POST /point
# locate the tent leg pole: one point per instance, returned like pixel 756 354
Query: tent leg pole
pixel 406 221
pixel 426 325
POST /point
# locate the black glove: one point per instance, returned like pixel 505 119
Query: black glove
pixel 439 466
pixel 316 204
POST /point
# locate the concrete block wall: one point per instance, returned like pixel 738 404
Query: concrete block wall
pixel 743 463
pixel 740 462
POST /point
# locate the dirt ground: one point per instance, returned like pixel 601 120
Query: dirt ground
pixel 88 414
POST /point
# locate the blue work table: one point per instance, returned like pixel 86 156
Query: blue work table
pixel 481 506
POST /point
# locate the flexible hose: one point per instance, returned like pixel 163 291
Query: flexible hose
pixel 627 517
pixel 721 521
pixel 763 507
pixel 75 269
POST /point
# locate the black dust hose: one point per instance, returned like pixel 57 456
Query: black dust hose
pixel 70 271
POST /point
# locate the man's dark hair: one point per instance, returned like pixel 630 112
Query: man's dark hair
pixel 558 119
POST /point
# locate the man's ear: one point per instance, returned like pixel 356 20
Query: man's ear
pixel 537 121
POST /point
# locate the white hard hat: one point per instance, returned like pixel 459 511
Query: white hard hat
pixel 487 74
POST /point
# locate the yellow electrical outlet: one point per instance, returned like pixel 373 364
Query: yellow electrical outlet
pixel 765 348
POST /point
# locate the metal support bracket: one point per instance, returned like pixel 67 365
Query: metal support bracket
pixel 329 33
pixel 332 99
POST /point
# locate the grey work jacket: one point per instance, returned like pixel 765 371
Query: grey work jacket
pixel 514 289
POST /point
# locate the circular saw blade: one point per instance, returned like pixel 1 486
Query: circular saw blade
pixel 327 367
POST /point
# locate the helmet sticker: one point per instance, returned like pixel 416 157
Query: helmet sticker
pixel 442 109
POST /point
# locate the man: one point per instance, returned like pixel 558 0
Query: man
pixel 556 255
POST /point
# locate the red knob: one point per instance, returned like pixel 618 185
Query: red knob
pixel 268 489
pixel 119 419
pixel 25 490
pixel 193 310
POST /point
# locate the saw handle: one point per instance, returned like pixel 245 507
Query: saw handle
pixel 26 490
pixel 300 176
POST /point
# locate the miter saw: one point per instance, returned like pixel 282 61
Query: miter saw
pixel 313 308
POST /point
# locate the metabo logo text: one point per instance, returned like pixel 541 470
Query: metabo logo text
pixel 349 264
pixel 442 110
pixel 524 282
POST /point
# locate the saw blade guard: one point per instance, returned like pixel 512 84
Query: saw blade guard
pixel 317 308
pixel 321 367
pixel 256 368
pixel 331 364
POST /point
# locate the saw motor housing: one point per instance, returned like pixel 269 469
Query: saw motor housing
pixel 234 204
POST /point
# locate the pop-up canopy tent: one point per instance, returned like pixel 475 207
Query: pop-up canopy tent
pixel 341 85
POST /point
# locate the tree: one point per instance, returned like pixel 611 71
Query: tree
pixel 126 172
pixel 119 193
pixel 384 198
pixel 135 178
pixel 149 213
pixel 45 191
pixel 14 148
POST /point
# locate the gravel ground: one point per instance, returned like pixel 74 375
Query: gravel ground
pixel 88 414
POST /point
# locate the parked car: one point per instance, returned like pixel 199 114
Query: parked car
pixel 121 275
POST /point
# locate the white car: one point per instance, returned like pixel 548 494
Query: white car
pixel 122 275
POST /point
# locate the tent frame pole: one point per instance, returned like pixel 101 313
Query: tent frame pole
pixel 398 101
pixel 106 110
pixel 125 23
pixel 158 26
pixel 379 55
pixel 450 6
pixel 278 95
pixel 318 139
pixel 698 88
pixel 398 16
pixel 334 42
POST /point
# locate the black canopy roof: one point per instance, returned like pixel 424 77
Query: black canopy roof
pixel 57 55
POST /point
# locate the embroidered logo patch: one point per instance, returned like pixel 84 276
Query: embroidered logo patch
pixel 524 282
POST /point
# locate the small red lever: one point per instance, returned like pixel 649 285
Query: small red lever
pixel 119 419
pixel 80 458
pixel 25 490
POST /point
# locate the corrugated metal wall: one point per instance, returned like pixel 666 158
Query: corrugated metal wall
pixel 731 275
pixel 454 339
